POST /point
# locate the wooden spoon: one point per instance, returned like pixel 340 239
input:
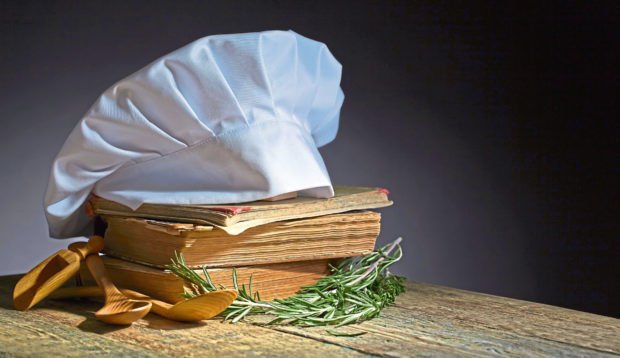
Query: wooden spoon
pixel 201 307
pixel 118 308
pixel 52 273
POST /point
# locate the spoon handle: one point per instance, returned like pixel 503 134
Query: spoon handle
pixel 78 291
pixel 97 270
pixel 94 245
pixel 159 307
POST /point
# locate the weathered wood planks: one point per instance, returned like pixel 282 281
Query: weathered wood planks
pixel 427 320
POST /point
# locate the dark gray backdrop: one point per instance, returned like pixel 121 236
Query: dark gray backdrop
pixel 494 127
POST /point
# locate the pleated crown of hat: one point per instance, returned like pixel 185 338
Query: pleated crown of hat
pixel 225 119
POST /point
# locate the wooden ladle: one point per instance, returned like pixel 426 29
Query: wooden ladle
pixel 201 307
pixel 118 308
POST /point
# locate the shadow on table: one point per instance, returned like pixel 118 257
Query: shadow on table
pixel 86 307
pixel 157 322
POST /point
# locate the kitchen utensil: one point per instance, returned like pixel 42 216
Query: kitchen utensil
pixel 118 308
pixel 52 273
pixel 201 307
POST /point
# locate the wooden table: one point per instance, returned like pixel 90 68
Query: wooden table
pixel 427 320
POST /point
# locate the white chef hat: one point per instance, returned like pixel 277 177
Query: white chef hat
pixel 225 119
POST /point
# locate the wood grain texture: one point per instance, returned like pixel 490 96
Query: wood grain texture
pixel 44 278
pixel 427 320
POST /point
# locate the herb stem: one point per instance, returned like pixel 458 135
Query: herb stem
pixel 253 304
pixel 376 264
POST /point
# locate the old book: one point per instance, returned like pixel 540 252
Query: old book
pixel 154 242
pixel 271 280
pixel 235 218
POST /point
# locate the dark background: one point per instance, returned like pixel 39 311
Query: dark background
pixel 494 127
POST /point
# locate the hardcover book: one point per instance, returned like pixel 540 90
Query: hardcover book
pixel 235 218
pixel 278 280
pixel 154 242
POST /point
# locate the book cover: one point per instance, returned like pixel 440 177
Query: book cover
pixel 236 218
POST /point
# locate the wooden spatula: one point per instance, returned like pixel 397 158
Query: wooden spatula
pixel 51 274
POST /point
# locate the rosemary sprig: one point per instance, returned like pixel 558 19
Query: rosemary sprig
pixel 358 289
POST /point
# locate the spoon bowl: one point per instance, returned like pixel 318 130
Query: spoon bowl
pixel 118 308
pixel 201 307
pixel 123 312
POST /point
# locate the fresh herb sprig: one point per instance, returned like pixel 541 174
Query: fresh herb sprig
pixel 358 289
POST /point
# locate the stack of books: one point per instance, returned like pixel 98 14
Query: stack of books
pixel 283 244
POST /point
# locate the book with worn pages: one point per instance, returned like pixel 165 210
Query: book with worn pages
pixel 284 244
pixel 278 280
pixel 235 218
pixel 154 242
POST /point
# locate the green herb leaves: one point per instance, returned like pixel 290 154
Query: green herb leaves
pixel 358 289
pixel 340 334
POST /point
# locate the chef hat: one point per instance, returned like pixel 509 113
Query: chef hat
pixel 225 119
